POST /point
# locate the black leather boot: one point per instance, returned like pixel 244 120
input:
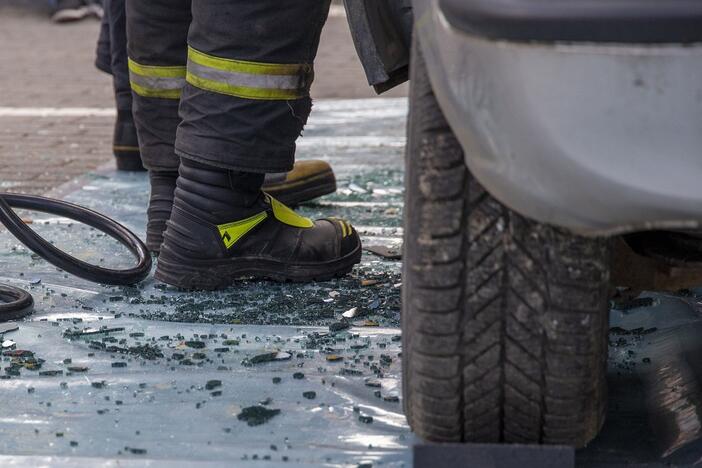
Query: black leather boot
pixel 224 228
pixel 308 180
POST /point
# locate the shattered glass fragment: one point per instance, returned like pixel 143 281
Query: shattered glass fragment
pixel 212 384
pixel 8 327
pixel 8 344
pixel 387 252
pixel 257 415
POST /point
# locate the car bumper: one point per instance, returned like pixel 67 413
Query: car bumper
pixel 598 138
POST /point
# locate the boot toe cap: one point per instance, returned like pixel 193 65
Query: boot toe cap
pixel 347 237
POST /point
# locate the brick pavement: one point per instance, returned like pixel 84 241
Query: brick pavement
pixel 47 65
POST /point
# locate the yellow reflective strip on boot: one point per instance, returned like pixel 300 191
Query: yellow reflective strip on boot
pixel 341 223
pixel 345 227
pixel 287 216
pixel 232 232
pixel 349 227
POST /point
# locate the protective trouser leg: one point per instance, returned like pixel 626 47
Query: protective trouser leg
pixel 111 55
pixel 112 59
pixel 250 67
pixel 103 59
pixel 157 32
pixel 116 16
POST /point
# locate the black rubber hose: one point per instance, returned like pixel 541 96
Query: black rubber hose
pixel 15 303
pixel 64 261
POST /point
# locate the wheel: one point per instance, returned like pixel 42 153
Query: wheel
pixel 504 319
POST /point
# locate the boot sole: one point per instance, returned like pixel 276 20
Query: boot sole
pixel 210 275
pixel 303 190
pixel 128 160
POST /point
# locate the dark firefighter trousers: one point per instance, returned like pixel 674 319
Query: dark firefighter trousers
pixel 222 82
pixel 112 52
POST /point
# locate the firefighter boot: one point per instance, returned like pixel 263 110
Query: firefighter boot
pixel 307 181
pixel 223 228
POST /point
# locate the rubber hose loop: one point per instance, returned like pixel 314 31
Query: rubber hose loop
pixel 64 261
pixel 15 303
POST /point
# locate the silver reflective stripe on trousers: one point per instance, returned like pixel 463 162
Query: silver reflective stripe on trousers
pixel 155 83
pixel 246 80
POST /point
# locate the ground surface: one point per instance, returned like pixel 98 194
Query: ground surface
pixel 136 353
pixel 210 355
pixel 51 66
pixel 161 348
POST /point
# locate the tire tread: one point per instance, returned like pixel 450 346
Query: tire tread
pixel 504 318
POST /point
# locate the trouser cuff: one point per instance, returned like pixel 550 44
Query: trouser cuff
pixel 236 160
pixel 156 121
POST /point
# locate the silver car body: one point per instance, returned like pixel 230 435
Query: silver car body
pixel 597 138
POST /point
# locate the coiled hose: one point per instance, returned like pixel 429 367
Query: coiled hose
pixel 17 303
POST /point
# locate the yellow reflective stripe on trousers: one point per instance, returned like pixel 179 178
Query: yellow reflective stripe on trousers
pixel 155 81
pixel 250 80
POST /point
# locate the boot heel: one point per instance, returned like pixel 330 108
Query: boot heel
pixel 175 271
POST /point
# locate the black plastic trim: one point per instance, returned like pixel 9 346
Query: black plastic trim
pixel 612 21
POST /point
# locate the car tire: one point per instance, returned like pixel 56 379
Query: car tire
pixel 504 319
